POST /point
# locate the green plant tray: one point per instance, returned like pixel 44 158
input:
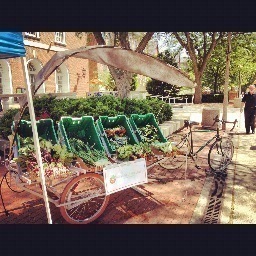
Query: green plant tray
pixel 45 130
pixel 82 128
pixel 105 122
pixel 138 121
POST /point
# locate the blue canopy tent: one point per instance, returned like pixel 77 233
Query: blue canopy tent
pixel 12 46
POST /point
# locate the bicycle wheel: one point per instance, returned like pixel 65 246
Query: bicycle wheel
pixel 181 148
pixel 220 154
pixel 11 182
pixel 86 199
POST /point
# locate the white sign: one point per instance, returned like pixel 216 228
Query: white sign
pixel 118 177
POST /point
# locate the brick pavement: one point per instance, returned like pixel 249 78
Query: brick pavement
pixel 171 201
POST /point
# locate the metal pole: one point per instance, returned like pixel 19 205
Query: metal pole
pixel 35 137
pixel 225 100
pixel 239 91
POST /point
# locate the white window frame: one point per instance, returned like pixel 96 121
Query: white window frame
pixel 59 87
pixel 31 73
pixel 33 34
pixel 57 36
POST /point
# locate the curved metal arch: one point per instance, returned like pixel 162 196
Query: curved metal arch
pixel 125 59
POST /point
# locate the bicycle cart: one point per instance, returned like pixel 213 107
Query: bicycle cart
pixel 80 195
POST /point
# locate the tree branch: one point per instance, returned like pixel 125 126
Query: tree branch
pixel 211 48
pixel 124 42
pixel 183 44
pixel 143 43
pixel 204 42
pixel 192 52
pixel 115 38
pixel 99 38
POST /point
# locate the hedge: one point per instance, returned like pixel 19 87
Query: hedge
pixel 212 98
pixel 106 105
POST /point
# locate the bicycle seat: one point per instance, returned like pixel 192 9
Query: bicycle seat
pixel 186 123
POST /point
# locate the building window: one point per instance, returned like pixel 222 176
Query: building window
pixel 34 66
pixel 59 80
pixel 32 34
pixel 32 73
pixel 60 37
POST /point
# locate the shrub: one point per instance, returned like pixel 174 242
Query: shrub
pixel 156 87
pixel 160 109
pixel 6 122
pixel 106 105
pixel 212 98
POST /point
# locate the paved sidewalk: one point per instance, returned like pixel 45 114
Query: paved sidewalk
pixel 239 199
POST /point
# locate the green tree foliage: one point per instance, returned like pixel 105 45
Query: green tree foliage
pixel 243 59
pixel 156 87
pixel 214 74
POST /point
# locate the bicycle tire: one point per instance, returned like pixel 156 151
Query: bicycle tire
pixel 11 183
pixel 86 185
pixel 175 161
pixel 220 154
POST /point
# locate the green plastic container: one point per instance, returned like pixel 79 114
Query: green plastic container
pixel 82 128
pixel 105 122
pixel 138 121
pixel 45 130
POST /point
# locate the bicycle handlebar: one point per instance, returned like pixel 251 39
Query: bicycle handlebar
pixel 187 124
pixel 216 119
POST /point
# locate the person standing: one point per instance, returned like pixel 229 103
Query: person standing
pixel 249 101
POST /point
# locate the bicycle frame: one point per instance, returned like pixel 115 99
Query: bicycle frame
pixel 190 133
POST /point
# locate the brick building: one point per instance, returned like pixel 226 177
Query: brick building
pixel 74 75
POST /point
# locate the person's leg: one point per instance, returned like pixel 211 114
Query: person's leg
pixel 247 121
pixel 252 119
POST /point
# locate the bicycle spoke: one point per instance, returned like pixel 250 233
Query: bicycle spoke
pixel 220 154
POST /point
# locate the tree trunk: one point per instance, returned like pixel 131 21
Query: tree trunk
pixel 215 86
pixel 225 100
pixel 123 81
pixel 123 78
pixel 198 89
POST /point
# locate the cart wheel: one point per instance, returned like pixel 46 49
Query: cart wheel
pixel 11 183
pixel 176 160
pixel 90 189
